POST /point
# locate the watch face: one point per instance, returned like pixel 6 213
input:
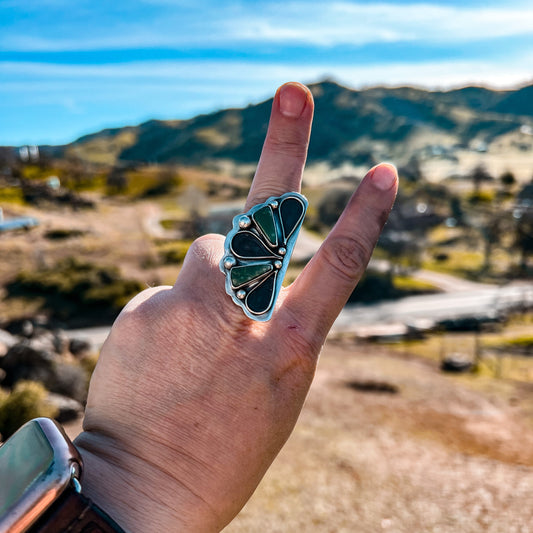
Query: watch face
pixel 23 459
pixel 36 464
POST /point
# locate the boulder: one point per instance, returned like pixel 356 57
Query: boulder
pixel 68 409
pixel 79 347
pixel 27 361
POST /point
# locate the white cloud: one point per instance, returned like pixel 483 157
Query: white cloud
pixel 204 76
pixel 322 24
pixel 340 23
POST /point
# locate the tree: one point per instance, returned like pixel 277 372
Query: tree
pixel 479 175
pixel 412 171
pixel 332 205
pixel 524 237
pixel 507 179
pixel 116 181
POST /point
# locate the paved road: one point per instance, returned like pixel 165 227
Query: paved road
pixel 483 301
pixel 479 302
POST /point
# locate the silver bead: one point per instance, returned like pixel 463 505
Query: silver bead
pixel 282 251
pixel 241 294
pixel 229 262
pixel 244 222
pixel 274 204
pixel 278 264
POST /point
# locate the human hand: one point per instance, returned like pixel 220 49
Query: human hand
pixel 191 400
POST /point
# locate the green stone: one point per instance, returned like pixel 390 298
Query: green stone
pixel 264 219
pixel 241 275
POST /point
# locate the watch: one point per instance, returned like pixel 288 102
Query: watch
pixel 40 490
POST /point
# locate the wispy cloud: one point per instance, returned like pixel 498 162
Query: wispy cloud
pixel 248 73
pixel 278 23
pixel 67 68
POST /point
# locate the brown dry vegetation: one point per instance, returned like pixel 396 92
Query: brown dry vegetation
pixel 441 455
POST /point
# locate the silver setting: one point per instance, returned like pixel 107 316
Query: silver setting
pixel 229 262
pixel 257 252
pixel 244 222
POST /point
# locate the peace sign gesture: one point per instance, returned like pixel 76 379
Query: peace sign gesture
pixel 191 399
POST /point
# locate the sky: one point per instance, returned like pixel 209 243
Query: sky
pixel 72 67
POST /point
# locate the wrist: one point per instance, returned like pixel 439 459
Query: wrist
pixel 139 495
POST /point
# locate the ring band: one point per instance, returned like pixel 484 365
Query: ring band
pixel 257 252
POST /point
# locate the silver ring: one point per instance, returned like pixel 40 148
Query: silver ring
pixel 257 252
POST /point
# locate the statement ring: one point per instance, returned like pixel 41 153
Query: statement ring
pixel 257 252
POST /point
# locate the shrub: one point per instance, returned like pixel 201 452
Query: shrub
pixel 174 253
pixel 26 401
pixel 73 289
pixel 63 233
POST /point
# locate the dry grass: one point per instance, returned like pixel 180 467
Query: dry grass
pixel 439 456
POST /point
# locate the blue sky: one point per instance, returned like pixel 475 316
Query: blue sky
pixel 70 67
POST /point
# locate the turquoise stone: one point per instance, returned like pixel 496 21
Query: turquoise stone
pixel 242 275
pixel 291 211
pixel 264 219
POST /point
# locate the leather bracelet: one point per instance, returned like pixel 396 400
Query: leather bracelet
pixel 75 513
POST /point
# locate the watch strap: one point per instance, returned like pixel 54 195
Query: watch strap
pixel 74 513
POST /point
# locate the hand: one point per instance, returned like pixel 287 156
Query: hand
pixel 191 401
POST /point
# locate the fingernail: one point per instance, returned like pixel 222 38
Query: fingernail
pixel 384 176
pixel 292 100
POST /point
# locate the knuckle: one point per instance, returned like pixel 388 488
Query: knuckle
pixel 263 193
pixel 278 144
pixel 304 345
pixel 347 257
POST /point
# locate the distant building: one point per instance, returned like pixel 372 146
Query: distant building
pixel 29 154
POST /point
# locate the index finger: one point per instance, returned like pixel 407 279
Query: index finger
pixel 284 151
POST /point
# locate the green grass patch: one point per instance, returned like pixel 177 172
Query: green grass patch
pixel 173 252
pixel 462 263
pixel 411 285
pixel 11 195
pixel 25 402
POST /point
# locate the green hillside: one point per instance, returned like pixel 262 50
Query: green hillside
pixel 351 126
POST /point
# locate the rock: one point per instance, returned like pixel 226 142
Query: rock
pixel 43 340
pixel 79 347
pixel 455 364
pixel 61 341
pixel 70 380
pixel 22 327
pixel 68 409
pixel 6 339
pixel 25 361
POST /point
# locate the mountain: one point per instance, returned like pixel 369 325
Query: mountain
pixel 350 126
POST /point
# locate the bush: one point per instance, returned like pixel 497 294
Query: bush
pixel 373 287
pixel 63 233
pixel 175 252
pixel 331 206
pixel 74 289
pixel 26 401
